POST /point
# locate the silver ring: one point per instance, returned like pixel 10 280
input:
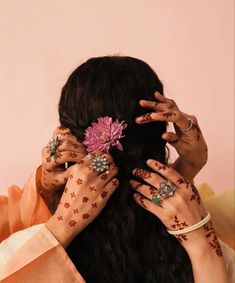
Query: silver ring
pixel 99 164
pixel 191 123
pixel 53 145
pixel 165 191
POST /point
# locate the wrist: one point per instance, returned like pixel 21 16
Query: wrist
pixel 60 232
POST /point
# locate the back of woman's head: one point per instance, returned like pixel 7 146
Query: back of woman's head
pixel 125 243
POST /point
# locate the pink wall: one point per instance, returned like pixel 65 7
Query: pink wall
pixel 189 43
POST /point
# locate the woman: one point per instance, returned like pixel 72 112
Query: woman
pixel 109 235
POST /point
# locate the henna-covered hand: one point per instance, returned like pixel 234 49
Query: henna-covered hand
pixel 85 195
pixel 190 145
pixel 179 211
pixel 52 174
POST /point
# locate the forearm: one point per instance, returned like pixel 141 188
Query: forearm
pixel 208 267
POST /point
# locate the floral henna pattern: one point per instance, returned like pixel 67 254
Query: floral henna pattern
pixel 162 167
pixel 94 205
pixel 79 181
pixel 152 191
pixel 146 117
pixel 73 155
pixel 70 176
pixel 169 114
pixel 85 199
pixel 65 190
pixel 75 145
pixel 182 237
pixel 104 194
pixel 179 226
pixel 72 195
pixel 58 156
pixel 142 174
pixel 183 181
pixel 85 216
pixel 142 202
pixel 75 211
pixel 92 188
pixel 90 168
pixel 104 177
pixel 139 185
pixel 195 194
pixel 114 168
pixel 72 223
pixel 213 241
pixel 67 205
pixel 60 218
pixel 80 161
pixel 114 182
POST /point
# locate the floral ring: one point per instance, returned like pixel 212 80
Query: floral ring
pixel 53 145
pixel 99 163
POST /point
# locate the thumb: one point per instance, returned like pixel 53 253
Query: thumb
pixel 171 138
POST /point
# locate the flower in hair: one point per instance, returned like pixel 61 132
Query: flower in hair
pixel 104 134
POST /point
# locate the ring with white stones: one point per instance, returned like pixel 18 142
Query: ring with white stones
pixel 53 145
pixel 99 164
pixel 165 191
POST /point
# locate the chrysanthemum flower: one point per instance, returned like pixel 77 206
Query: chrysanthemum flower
pixel 104 134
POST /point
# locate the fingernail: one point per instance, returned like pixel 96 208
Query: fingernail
pixel 149 161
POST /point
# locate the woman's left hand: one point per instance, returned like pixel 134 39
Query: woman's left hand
pixel 189 144
pixel 183 209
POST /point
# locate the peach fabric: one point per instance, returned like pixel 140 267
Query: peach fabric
pixel 22 208
pixel 40 259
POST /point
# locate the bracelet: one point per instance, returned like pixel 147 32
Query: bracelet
pixel 193 227
pixel 191 123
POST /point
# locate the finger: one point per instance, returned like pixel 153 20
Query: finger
pixel 170 102
pixel 70 142
pixel 108 175
pixel 160 97
pixel 149 206
pixel 149 177
pixel 171 138
pixel 61 157
pixel 61 130
pixel 147 191
pixel 109 189
pixel 165 115
pixel 149 104
pixel 165 170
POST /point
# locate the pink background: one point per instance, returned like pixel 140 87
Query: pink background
pixel 189 43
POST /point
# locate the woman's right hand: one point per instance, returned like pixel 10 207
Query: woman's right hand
pixel 85 195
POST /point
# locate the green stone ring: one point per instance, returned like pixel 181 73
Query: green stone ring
pixel 156 200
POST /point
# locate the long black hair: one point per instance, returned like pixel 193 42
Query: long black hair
pixel 125 243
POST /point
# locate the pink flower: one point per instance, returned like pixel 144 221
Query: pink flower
pixel 104 134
